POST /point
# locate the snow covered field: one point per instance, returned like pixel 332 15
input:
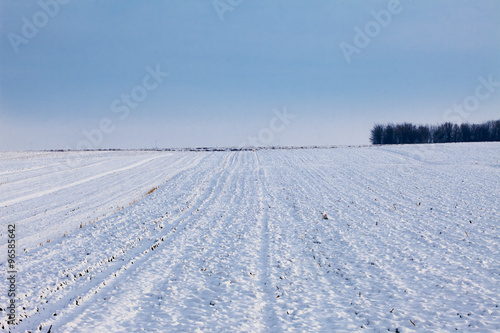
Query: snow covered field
pixel 321 240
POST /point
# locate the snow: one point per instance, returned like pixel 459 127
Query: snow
pixel 341 239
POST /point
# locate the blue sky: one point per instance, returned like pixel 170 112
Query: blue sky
pixel 234 64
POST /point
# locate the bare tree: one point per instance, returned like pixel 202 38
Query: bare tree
pixel 377 134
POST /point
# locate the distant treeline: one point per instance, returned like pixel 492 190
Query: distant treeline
pixel 447 132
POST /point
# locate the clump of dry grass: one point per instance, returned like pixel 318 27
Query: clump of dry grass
pixel 152 190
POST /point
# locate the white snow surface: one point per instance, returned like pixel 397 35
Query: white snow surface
pixel 318 240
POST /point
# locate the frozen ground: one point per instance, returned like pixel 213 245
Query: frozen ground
pixel 237 241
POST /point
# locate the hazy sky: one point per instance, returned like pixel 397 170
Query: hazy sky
pixel 93 74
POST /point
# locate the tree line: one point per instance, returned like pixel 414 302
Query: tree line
pixel 408 133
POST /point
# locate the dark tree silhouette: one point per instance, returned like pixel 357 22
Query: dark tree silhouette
pixel 465 133
pixel 377 134
pixel 423 134
pixel 407 133
pixel 495 130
